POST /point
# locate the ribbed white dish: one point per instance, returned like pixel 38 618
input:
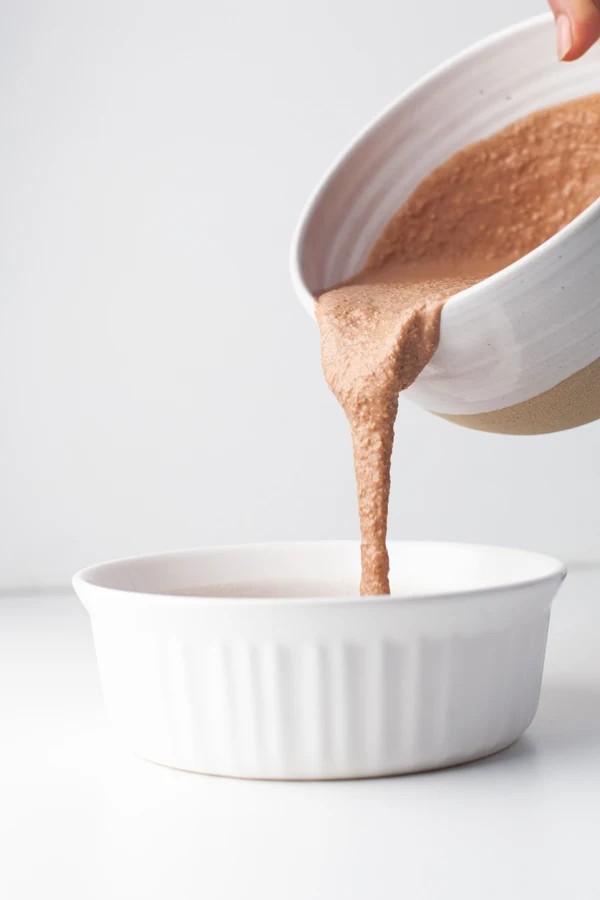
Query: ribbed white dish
pixel 527 328
pixel 446 670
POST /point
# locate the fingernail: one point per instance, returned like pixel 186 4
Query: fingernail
pixel 564 36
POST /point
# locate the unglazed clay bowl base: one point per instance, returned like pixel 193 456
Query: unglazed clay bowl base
pixel 573 402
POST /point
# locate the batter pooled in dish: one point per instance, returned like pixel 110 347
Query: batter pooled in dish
pixel 483 209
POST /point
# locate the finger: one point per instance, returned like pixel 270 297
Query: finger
pixel 577 26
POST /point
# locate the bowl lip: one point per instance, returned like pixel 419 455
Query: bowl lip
pixel 592 212
pixel 83 579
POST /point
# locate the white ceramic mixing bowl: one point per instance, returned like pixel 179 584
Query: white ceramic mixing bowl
pixel 301 678
pixel 529 327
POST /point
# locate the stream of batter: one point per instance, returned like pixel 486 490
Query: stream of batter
pixel 483 209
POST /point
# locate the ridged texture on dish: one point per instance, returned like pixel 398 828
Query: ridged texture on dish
pixel 322 708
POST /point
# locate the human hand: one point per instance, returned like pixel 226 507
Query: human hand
pixel 577 26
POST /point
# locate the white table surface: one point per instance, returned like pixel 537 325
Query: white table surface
pixel 80 818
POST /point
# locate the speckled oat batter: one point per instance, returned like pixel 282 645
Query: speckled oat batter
pixel 481 210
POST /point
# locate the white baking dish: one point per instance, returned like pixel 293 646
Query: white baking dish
pixel 445 670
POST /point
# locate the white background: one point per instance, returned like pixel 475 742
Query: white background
pixel 160 387
pixel 159 384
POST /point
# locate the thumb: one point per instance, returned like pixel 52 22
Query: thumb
pixel 577 26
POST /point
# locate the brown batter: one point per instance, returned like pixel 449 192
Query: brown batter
pixel 483 209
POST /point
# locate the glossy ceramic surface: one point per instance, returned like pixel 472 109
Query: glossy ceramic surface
pixel 532 325
pixel 304 679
